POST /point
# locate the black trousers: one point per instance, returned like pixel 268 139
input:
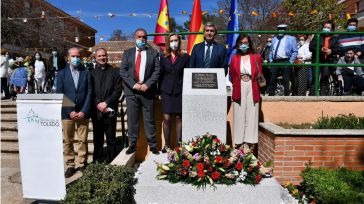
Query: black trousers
pixel 5 87
pixel 275 72
pixel 135 105
pixel 106 125
pixel 353 80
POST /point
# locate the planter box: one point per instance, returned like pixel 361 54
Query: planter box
pixel 291 149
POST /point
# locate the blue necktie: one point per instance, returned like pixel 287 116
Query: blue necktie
pixel 207 57
pixel 276 51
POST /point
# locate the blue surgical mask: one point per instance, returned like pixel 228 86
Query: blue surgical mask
pixel 141 44
pixel 326 30
pixel 351 28
pixel 75 61
pixel 243 47
pixel 269 44
pixel 173 45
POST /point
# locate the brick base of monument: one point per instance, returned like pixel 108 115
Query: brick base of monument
pixel 290 150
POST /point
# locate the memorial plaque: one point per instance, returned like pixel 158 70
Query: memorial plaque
pixel 204 81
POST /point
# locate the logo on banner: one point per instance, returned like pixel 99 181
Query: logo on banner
pixel 34 118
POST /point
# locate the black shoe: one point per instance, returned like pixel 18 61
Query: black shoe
pixel 154 151
pixel 69 172
pixel 5 98
pixel 164 150
pixel 131 149
pixel 82 169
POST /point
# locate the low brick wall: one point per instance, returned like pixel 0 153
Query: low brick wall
pixel 290 150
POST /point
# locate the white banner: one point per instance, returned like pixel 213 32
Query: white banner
pixel 41 148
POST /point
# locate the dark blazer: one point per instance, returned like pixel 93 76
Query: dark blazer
pixel 333 45
pixel 219 58
pixel 171 76
pixel 111 91
pixel 152 68
pixel 61 62
pixel 81 95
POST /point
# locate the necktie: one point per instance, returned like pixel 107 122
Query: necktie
pixel 207 57
pixel 137 64
pixel 276 51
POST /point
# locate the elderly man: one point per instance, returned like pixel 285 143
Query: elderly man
pixel 106 89
pixel 74 82
pixel 209 54
pixel 140 72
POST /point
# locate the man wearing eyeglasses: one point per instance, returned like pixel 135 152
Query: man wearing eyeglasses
pixel 106 91
pixel 74 82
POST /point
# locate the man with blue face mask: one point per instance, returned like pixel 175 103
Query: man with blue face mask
pixel 351 40
pixel 140 72
pixel 74 82
pixel 283 50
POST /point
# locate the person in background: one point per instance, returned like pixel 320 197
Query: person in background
pixel 56 63
pixel 92 62
pixel 301 73
pixel 74 82
pixel 18 80
pixel 140 72
pixel 4 59
pixel 39 71
pixel 245 67
pixel 209 54
pixel 106 91
pixel 172 62
pixel 28 63
pixel 284 50
pixel 328 51
pixel 351 40
pixel 265 57
pixel 350 76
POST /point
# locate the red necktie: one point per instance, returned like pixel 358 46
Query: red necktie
pixel 137 64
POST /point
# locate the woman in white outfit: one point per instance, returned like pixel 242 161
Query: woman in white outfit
pixel 39 71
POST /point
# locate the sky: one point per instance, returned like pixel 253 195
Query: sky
pixel 88 9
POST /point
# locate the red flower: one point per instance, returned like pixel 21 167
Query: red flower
pixel 215 175
pixel 200 174
pixel 258 165
pixel 184 173
pixel 239 166
pixel 193 144
pixel 199 166
pixel 250 168
pixel 227 164
pixel 222 148
pixel 218 159
pixel 258 178
pixel 217 140
pixel 186 163
pixel 177 149
pixel 211 169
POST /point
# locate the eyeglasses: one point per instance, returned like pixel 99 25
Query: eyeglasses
pixel 269 41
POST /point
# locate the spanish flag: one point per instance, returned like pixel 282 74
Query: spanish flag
pixel 162 24
pixel 196 25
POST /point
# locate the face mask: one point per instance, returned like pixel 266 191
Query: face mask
pixel 7 56
pixel 244 48
pixel 54 53
pixel 302 42
pixel 93 60
pixel 174 45
pixel 37 57
pixel 269 44
pixel 351 28
pixel 326 30
pixel 140 44
pixel 26 64
pixel 75 61
pixel 85 61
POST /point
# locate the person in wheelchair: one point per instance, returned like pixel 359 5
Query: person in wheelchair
pixel 350 77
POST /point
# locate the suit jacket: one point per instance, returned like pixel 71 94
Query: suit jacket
pixel 219 58
pixel 81 95
pixel 333 45
pixel 255 61
pixel 171 76
pixel 105 90
pixel 61 62
pixel 291 48
pixel 152 68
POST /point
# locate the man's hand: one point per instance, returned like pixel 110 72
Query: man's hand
pixel 80 115
pixel 73 115
pixel 137 87
pixel 102 107
pixel 144 88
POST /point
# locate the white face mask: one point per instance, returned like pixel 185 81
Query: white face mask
pixel 173 45
pixel 302 42
pixel 37 57
pixel 54 53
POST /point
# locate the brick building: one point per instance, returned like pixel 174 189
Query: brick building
pixel 356 9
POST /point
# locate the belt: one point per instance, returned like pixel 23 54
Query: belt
pixel 245 77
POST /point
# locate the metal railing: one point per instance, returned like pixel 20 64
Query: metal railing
pixel 316 64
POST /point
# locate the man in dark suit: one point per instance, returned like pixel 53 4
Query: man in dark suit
pixel 106 89
pixel 56 63
pixel 74 82
pixel 209 54
pixel 140 72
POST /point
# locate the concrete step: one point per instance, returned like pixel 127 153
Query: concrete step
pixel 13 158
pixel 12 136
pixel 9 110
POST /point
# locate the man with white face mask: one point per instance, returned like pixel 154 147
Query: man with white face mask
pixel 140 72
pixel 74 82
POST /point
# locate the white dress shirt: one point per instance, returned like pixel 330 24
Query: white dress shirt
pixel 143 63
pixel 245 66
pixel 211 48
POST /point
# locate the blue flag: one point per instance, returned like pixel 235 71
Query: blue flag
pixel 233 25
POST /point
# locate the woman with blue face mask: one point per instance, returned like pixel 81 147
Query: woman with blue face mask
pixel 172 63
pixel 245 66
